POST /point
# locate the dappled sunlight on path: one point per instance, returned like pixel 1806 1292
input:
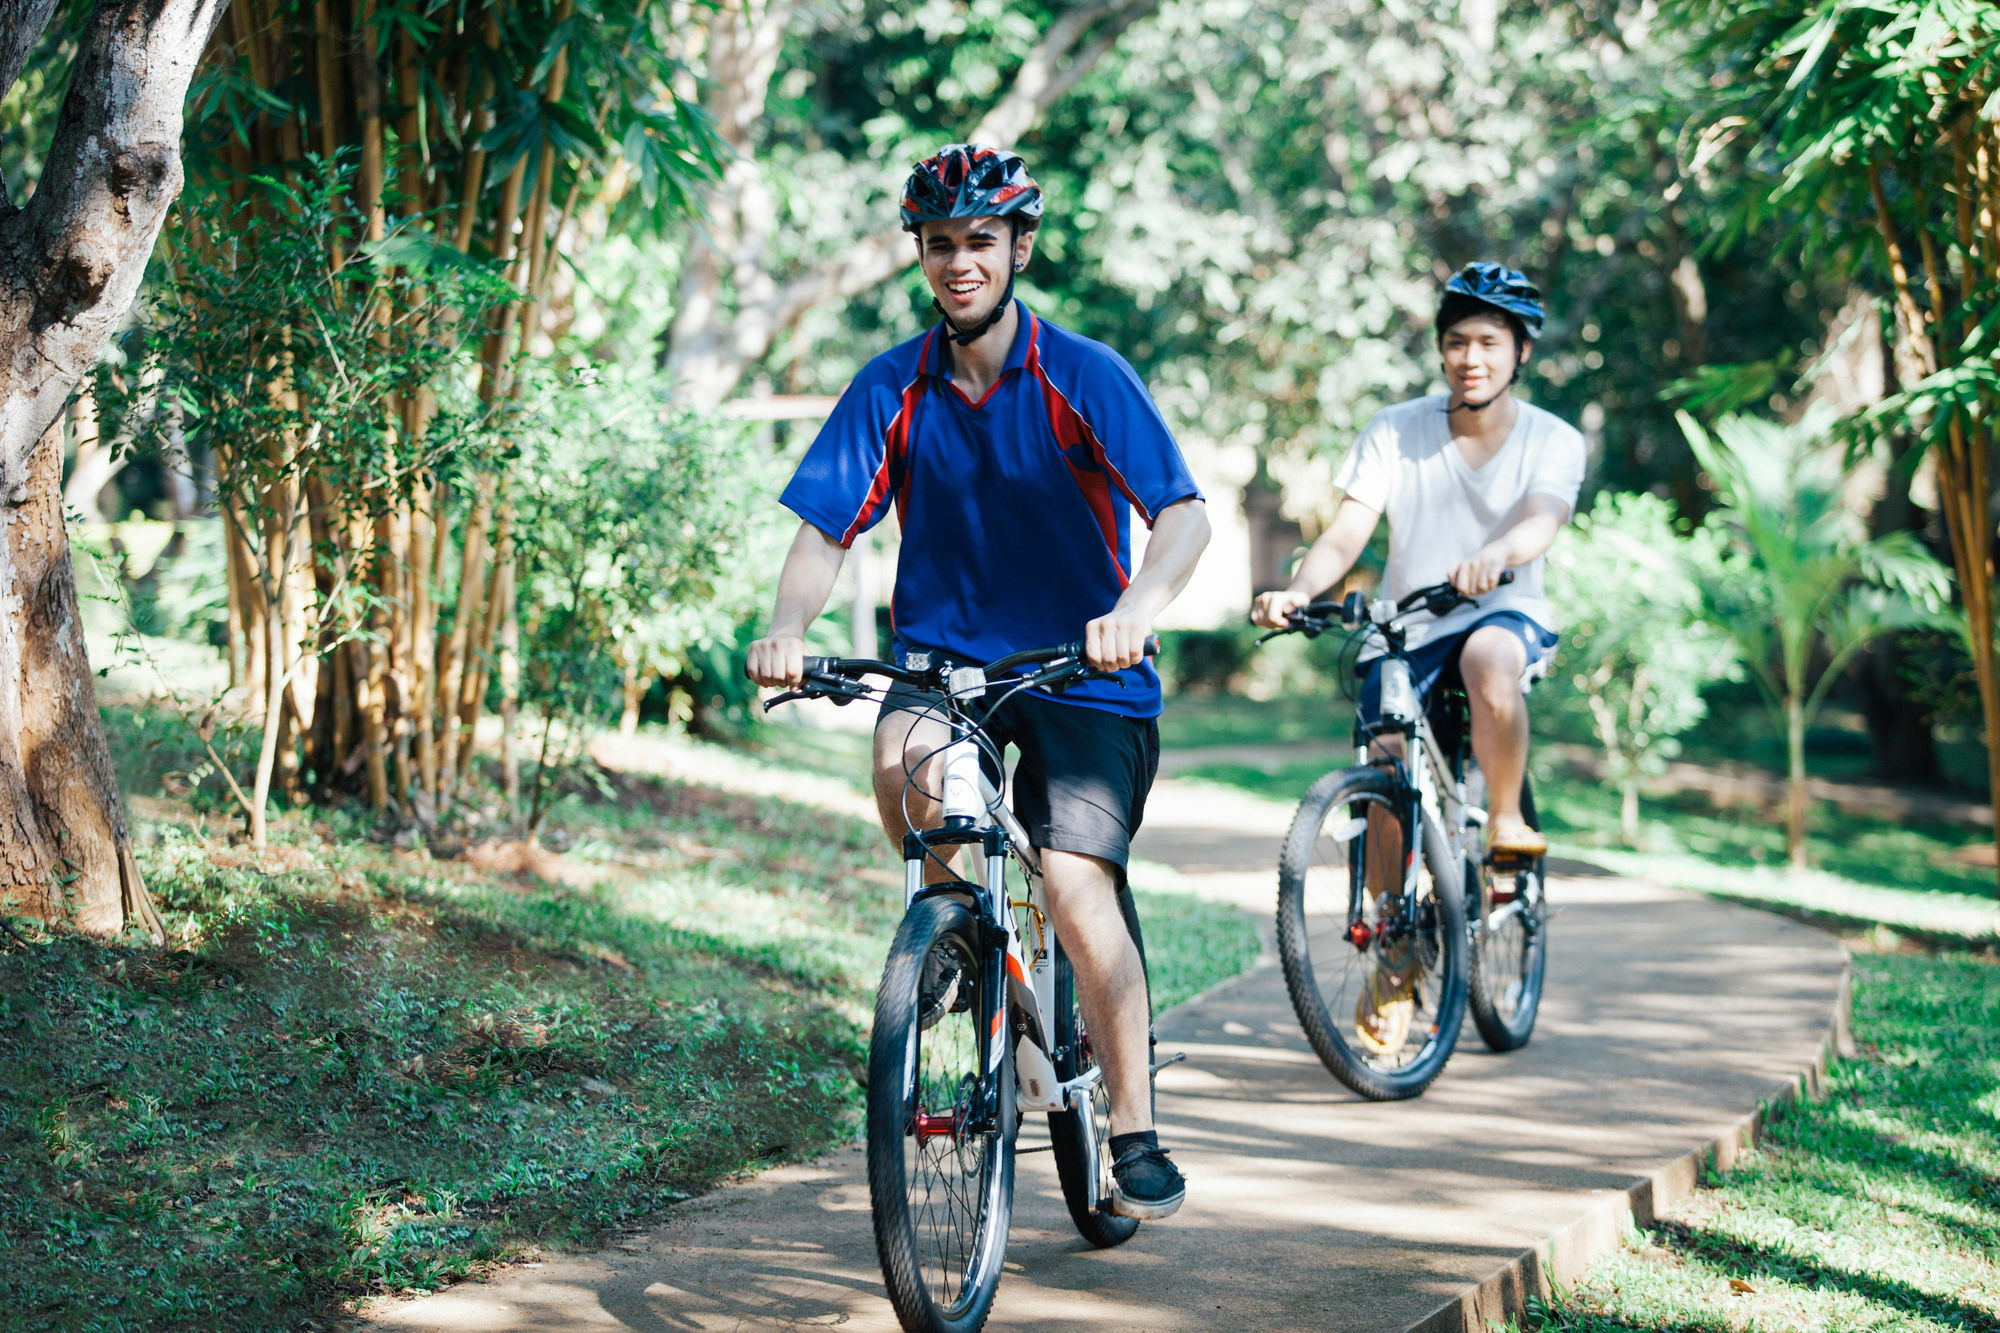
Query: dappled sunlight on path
pixel 1667 1018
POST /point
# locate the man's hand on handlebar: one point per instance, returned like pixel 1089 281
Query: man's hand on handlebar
pixel 1479 573
pixel 777 661
pixel 1116 641
pixel 1273 610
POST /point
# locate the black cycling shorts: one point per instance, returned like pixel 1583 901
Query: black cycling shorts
pixel 1084 773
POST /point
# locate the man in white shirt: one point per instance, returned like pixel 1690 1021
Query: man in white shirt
pixel 1474 482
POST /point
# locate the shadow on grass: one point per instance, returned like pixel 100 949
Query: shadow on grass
pixel 1733 1255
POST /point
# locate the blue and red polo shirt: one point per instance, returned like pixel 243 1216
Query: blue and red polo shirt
pixel 1016 510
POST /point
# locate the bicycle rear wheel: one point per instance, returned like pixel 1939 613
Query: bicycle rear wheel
pixel 1381 997
pixel 1083 1164
pixel 1510 944
pixel 940 1129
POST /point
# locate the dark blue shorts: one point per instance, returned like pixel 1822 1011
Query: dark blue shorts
pixel 1435 661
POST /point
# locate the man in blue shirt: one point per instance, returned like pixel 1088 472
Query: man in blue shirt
pixel 1015 453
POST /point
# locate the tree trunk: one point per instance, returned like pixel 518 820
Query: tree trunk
pixel 65 854
pixel 70 263
pixel 1628 810
pixel 1795 782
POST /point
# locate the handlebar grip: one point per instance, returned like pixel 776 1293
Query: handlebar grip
pixel 1506 576
pixel 1152 647
pixel 821 666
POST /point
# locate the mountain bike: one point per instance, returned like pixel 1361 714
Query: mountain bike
pixel 1390 920
pixel 976 1018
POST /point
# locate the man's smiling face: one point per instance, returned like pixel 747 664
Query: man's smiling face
pixel 967 262
pixel 1480 354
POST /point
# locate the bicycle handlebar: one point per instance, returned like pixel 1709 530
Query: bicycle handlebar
pixel 1316 618
pixel 838 678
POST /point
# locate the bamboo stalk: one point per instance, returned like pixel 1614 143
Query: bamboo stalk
pixel 368 97
pixel 471 577
pixel 474 174
pixel 1899 274
pixel 426 631
pixel 326 83
pixel 510 690
pixel 1964 493
pixel 480 663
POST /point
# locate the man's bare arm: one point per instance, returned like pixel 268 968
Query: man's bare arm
pixel 1326 563
pixel 1480 572
pixel 811 566
pixel 1117 639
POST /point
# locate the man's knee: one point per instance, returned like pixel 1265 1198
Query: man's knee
pixel 1491 665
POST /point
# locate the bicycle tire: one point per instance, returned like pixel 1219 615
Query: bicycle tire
pixel 1313 900
pixel 942 1247
pixel 1067 1128
pixel 1509 956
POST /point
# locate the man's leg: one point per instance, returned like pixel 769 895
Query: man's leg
pixel 1110 980
pixel 908 742
pixel 1491 664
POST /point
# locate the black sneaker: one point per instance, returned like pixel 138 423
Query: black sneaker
pixel 1145 1185
pixel 943 989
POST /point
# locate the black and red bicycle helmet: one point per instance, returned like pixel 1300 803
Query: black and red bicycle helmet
pixel 969 180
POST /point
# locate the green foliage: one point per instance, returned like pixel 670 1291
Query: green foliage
pixel 255 336
pixel 1800 574
pixel 1636 650
pixel 619 106
pixel 644 535
pixel 1201 661
pixel 1801 589
pixel 1256 203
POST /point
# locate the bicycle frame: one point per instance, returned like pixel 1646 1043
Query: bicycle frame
pixel 975 815
pixel 1440 809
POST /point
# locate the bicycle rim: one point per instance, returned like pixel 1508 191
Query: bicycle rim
pixel 1380 1003
pixel 1509 951
pixel 940 1181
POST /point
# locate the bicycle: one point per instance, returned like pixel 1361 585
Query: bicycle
pixel 946 1090
pixel 1457 931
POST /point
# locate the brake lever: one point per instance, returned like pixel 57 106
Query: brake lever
pixel 821 686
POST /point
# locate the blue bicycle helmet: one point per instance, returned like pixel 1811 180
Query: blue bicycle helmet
pixel 1493 286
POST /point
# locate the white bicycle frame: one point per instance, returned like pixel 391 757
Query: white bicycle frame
pixel 970 795
pixel 1442 799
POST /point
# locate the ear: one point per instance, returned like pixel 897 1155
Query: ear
pixel 1024 247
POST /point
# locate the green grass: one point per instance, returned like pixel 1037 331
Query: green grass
pixel 356 1069
pixel 1875 1208
pixel 1201 720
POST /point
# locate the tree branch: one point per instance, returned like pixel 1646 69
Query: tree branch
pixel 21 25
pixel 709 356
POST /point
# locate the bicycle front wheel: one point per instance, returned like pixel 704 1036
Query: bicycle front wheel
pixel 1082 1137
pixel 1510 944
pixel 940 1128
pixel 1376 968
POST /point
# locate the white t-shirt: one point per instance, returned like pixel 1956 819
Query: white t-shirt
pixel 1442 511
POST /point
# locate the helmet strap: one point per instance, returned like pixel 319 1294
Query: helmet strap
pixel 999 312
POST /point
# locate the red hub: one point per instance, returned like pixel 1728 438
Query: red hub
pixel 931 1126
pixel 1359 935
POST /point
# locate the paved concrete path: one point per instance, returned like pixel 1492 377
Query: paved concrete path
pixel 1667 1018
